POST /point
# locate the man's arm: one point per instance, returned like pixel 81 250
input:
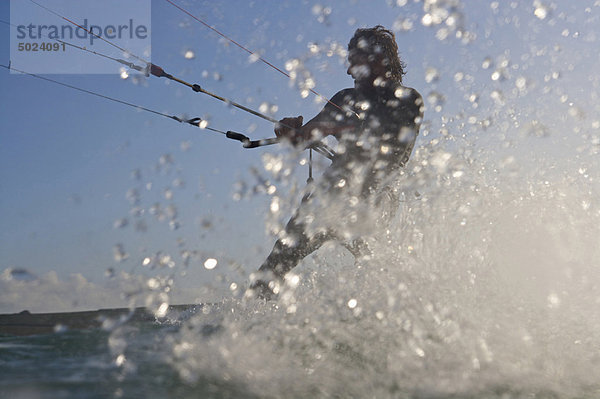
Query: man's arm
pixel 323 125
pixel 330 121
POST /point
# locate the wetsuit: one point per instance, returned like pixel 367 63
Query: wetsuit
pixel 372 147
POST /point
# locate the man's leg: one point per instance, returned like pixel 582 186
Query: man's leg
pixel 287 253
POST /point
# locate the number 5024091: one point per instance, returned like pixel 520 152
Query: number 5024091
pixel 26 46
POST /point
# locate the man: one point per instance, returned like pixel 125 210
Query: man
pixel 376 124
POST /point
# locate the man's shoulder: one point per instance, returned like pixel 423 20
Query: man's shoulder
pixel 404 92
pixel 409 98
pixel 345 94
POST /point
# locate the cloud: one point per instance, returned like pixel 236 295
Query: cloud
pixel 22 290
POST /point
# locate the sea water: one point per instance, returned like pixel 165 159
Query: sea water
pixel 484 285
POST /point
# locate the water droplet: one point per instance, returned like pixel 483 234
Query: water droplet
pixel 431 75
pixel 166 261
pixel 440 160
pixel 498 75
pixel 119 253
pixel 322 13
pixel 210 263
pixel 292 280
pixel 178 182
pixel 185 145
pixel 275 205
pixel 60 328
pixel 427 20
pixel 352 303
pixel 541 10
pixel 291 309
pixel 553 301
pixel 521 84
pixel 498 97
pixel 436 100
pixel 162 310
pixel 165 159
pixel 585 205
pixel 442 34
pixel 291 64
pixel 253 58
pixel 403 24
pixel 120 223
pixel 153 283
pixel 133 196
pixel 487 63
pixel 120 360
pixel 267 108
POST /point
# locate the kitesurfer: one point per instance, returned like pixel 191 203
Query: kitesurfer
pixel 376 124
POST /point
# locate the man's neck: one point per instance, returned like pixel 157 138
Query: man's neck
pixel 372 88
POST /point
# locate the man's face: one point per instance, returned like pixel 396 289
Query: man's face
pixel 359 67
pixel 364 67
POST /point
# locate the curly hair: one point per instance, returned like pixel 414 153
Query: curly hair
pixel 379 40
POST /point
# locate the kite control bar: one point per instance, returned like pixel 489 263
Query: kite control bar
pixel 321 148
pixel 245 140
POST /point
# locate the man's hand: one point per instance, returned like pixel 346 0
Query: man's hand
pixel 289 128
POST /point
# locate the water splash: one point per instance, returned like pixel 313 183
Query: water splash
pixel 483 285
pixel 469 287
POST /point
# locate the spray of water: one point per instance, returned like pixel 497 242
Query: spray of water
pixel 485 284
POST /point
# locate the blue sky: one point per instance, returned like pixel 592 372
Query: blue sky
pixel 67 158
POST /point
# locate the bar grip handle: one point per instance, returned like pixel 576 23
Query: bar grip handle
pixel 237 136
pixel 245 140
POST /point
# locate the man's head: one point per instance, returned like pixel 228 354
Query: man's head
pixel 373 53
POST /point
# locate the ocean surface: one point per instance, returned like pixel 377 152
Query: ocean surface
pixel 80 364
